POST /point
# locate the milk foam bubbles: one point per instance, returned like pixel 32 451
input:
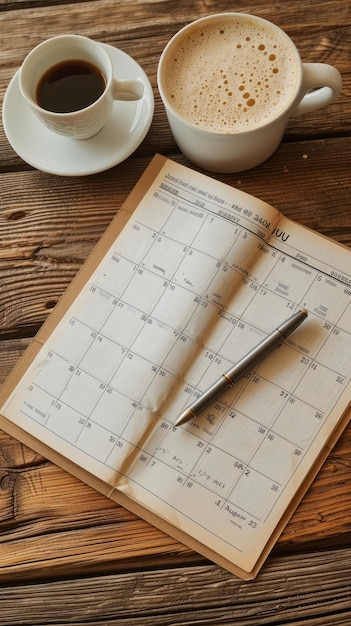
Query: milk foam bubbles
pixel 231 75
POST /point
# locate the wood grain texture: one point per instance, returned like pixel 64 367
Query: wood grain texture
pixel 67 553
pixel 295 592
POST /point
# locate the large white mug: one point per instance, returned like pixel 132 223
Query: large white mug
pixel 230 82
pixel 60 63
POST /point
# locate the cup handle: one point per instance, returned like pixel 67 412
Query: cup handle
pixel 325 82
pixel 127 90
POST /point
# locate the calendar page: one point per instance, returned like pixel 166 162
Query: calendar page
pixel 199 275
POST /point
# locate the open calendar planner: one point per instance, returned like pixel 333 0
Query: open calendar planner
pixel 190 275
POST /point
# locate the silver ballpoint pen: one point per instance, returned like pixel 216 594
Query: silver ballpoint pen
pixel 247 362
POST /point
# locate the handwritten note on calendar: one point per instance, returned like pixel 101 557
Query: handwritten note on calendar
pixel 199 275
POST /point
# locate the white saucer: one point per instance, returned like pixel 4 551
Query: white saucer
pixel 53 153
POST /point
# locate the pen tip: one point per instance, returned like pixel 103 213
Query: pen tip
pixel 184 417
pixel 304 311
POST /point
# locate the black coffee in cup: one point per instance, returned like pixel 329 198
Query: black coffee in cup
pixel 70 86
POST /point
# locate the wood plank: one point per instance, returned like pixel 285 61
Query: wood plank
pixel 10 353
pixel 306 590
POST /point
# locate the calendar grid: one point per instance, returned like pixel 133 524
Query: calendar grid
pixel 187 289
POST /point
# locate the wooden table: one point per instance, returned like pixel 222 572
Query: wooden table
pixel 69 555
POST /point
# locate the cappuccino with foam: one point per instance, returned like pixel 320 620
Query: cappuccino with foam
pixel 229 75
pixel 230 82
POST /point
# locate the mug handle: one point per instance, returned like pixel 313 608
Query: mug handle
pixel 127 90
pixel 321 85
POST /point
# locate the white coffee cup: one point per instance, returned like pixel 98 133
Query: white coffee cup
pixel 219 79
pixel 64 49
